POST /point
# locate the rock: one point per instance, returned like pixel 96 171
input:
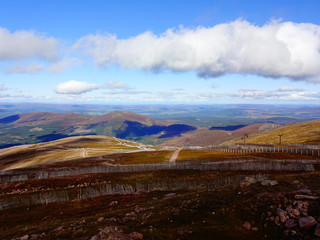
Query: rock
pixel 272 183
pixel 35 236
pixel 254 229
pixel 276 220
pixel 295 182
pixel 307 222
pixel 25 237
pixel 265 182
pixel 304 191
pixel 135 236
pixel 131 214
pixel 58 229
pixel 317 230
pixel 289 209
pixel 282 215
pixel 298 204
pixel 247 226
pixel 100 219
pixel 245 184
pixel 170 195
pixel 300 197
pixel 250 180
pixel 291 223
pixel 296 212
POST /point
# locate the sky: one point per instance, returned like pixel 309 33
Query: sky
pixel 160 51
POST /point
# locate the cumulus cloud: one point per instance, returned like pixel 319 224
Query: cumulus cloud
pixel 30 68
pixel 276 49
pixel 75 87
pixel 27 44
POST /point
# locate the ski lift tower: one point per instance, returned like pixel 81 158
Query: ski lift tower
pixel 244 138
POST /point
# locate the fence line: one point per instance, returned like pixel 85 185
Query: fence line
pixel 226 165
pixel 255 149
pixel 103 189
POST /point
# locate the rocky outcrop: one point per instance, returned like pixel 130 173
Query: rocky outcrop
pixel 294 215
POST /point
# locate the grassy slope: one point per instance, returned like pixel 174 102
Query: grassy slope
pixel 297 133
pixel 63 150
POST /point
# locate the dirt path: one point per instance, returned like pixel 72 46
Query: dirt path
pixel 84 153
pixel 174 155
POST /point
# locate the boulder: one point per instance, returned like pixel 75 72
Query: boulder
pixel 291 223
pixel 307 222
pixel 300 197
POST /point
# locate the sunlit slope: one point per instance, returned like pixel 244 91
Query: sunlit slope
pixel 64 150
pixel 297 133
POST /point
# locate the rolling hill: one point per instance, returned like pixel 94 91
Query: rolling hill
pixel 296 133
pixel 38 127
pixel 205 137
pixel 66 149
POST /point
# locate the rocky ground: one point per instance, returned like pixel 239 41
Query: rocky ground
pixel 279 206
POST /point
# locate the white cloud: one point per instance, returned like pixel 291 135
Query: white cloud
pixel 275 94
pixel 27 44
pixel 112 85
pixel 75 87
pixel 126 92
pixel 2 87
pixel 277 49
pixel 62 65
pixel 30 68
pixel 289 89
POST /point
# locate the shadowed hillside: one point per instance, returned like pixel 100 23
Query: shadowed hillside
pixel 205 137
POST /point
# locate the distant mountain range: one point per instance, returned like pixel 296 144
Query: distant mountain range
pixel 47 126
pixel 36 127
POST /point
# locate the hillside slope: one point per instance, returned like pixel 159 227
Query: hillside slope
pixel 38 127
pixel 296 133
pixel 65 150
pixel 205 137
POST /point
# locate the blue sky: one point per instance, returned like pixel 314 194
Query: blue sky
pixel 160 52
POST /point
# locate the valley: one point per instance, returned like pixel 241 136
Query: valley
pixel 86 177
